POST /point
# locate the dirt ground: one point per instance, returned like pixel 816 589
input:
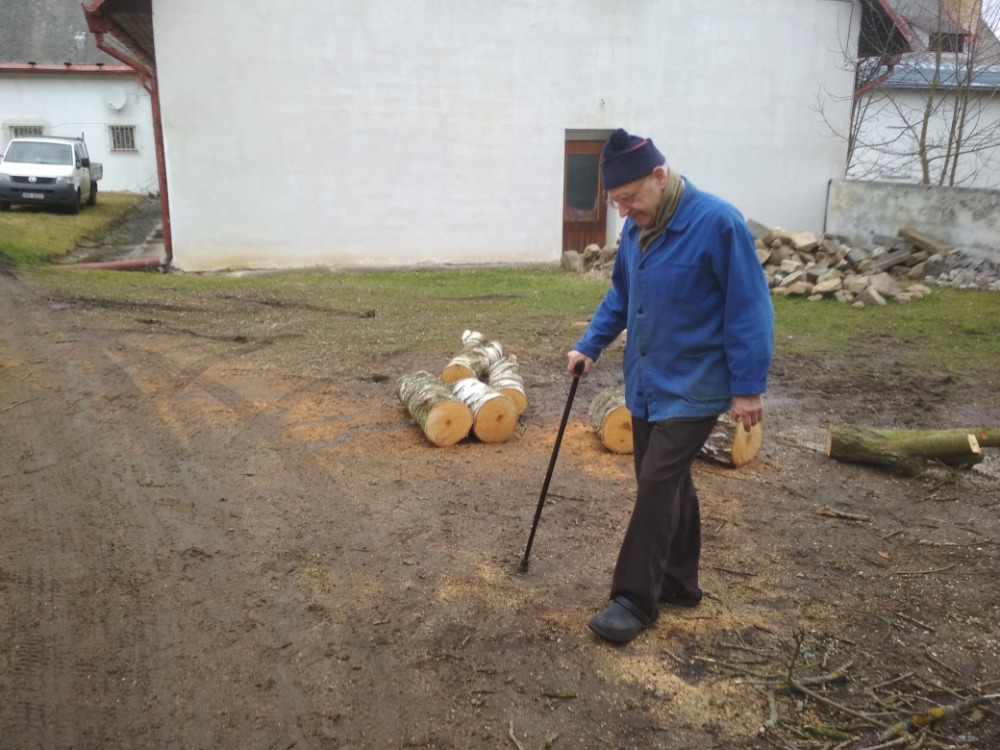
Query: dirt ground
pixel 200 551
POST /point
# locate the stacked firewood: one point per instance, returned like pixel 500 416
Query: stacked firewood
pixel 480 390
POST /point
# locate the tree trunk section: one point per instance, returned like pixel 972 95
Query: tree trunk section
pixel 505 377
pixel 494 416
pixel 431 404
pixel 474 360
pixel 730 444
pixel 612 420
pixel 908 451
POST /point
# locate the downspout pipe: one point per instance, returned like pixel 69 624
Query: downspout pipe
pixel 99 25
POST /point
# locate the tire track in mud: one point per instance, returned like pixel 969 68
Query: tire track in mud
pixel 69 589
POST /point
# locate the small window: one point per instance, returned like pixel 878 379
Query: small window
pixel 122 138
pixel 25 131
pixel 943 42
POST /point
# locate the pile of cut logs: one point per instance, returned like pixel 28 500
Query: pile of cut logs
pixel 480 390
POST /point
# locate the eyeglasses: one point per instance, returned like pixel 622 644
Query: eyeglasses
pixel 625 200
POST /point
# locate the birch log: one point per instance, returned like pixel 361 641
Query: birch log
pixel 909 452
pixel 494 416
pixel 612 420
pixel 505 377
pixel 431 404
pixel 474 359
pixel 730 444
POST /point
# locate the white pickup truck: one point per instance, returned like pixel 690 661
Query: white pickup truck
pixel 48 170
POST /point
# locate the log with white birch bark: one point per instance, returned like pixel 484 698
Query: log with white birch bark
pixel 505 376
pixel 494 416
pixel 430 402
pixel 909 452
pixel 728 444
pixel 731 444
pixel 612 420
pixel 474 359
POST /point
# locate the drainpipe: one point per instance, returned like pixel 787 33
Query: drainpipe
pixel 99 25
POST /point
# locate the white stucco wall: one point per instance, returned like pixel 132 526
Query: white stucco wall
pixel 895 117
pixel 432 131
pixel 73 104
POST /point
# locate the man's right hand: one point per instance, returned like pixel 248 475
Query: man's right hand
pixel 573 357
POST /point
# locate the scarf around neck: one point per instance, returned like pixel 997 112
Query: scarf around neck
pixel 668 204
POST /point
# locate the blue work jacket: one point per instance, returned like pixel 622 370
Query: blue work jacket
pixel 697 309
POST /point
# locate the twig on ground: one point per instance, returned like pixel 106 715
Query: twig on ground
pixel 18 403
pixel 924 625
pixel 513 737
pixel 837 674
pixel 893 681
pixel 831 513
pixel 923 572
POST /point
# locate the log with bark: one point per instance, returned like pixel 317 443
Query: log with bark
pixel 505 376
pixel 474 359
pixel 494 416
pixel 611 420
pixel 910 452
pixel 729 443
pixel 430 402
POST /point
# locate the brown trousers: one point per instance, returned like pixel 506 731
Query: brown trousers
pixel 662 544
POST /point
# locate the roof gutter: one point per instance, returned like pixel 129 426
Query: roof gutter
pixel 67 68
pixel 99 25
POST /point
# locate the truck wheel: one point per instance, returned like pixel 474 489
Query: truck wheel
pixel 74 207
pixel 92 200
pixel 4 206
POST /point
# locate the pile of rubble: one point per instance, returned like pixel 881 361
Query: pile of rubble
pixel 827 266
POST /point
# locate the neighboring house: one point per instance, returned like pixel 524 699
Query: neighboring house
pixel 432 132
pixel 54 81
pixel 927 110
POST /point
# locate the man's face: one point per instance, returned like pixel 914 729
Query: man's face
pixel 640 199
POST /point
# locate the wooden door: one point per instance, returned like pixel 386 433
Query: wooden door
pixel 584 209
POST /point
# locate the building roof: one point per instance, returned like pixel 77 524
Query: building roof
pixel 47 32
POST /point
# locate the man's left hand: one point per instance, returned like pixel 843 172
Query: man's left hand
pixel 748 409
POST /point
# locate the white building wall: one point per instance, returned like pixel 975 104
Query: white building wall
pixel 73 104
pixel 432 131
pixel 899 112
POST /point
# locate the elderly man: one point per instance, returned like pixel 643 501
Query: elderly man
pixel 689 288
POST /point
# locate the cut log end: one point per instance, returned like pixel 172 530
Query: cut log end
pixel 495 420
pixel 518 398
pixel 448 423
pixel 616 431
pixel 730 444
pixel 455 372
pixel 746 445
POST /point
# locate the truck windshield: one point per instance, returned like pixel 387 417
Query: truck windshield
pixel 35 152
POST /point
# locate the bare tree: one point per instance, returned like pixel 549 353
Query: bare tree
pixel 926 102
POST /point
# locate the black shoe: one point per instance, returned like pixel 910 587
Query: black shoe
pixel 680 600
pixel 620 621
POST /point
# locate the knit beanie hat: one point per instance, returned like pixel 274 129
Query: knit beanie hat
pixel 628 157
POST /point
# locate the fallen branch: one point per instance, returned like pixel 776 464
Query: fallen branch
pixel 936 714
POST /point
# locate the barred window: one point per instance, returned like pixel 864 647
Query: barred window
pixel 25 131
pixel 122 138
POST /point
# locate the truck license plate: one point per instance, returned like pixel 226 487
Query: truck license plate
pixel 33 196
